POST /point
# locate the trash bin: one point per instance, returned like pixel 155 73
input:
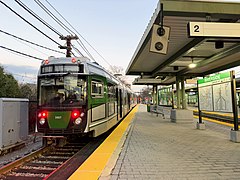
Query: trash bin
pixel 148 107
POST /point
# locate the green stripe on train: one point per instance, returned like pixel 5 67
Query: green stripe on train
pixel 59 119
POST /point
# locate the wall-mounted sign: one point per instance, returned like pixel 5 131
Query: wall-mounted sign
pixel 215 93
pixel 213 29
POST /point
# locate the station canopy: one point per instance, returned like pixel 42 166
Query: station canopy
pixel 211 54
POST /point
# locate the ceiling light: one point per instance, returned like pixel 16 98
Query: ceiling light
pixel 192 65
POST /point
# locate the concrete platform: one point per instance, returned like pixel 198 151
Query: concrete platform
pixel 155 148
pixel 158 149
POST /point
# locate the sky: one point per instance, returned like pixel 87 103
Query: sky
pixel 113 27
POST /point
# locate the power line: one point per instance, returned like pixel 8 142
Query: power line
pixel 68 23
pixel 41 5
pixel 85 49
pixel 21 53
pixel 78 33
pixel 68 29
pixel 37 17
pixel 73 54
pixel 77 50
pixel 29 23
pixel 30 42
pixel 34 48
pixel 24 76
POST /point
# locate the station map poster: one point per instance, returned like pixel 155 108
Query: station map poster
pixel 206 98
pixel 215 93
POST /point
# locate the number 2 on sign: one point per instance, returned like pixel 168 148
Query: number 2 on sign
pixel 196 28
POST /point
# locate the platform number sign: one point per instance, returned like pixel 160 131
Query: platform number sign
pixel 213 29
pixel 196 28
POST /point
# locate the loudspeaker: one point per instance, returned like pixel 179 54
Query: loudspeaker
pixel 159 39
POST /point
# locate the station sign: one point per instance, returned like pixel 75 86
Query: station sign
pixel 214 29
pixel 215 93
pixel 218 78
pixel 139 81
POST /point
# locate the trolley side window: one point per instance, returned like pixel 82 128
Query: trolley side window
pixel 112 104
pixel 97 90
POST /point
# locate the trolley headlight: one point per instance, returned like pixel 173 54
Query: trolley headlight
pixel 42 121
pixel 82 114
pixel 78 121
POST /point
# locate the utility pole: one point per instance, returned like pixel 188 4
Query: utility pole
pixel 68 47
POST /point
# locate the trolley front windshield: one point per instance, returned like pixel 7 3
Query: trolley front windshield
pixel 62 91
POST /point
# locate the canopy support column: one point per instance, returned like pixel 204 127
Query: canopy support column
pixel 155 97
pixel 178 93
pixel 184 104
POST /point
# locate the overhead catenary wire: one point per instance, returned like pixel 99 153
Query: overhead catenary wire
pixel 85 49
pixel 30 11
pixel 41 5
pixel 29 23
pixel 37 17
pixel 33 79
pixel 18 52
pixel 23 76
pixel 73 54
pixel 44 8
pixel 76 49
pixel 30 42
pixel 31 47
pixel 77 32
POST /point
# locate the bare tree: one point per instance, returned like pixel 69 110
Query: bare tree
pixel 146 95
pixel 118 71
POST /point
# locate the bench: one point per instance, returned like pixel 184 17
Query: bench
pixel 156 110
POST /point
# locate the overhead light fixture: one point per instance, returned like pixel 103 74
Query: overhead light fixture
pixel 192 65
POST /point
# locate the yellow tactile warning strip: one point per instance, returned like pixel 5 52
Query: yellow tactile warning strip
pixel 216 121
pixel 92 168
pixel 223 114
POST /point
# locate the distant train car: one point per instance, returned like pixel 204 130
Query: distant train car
pixel 77 96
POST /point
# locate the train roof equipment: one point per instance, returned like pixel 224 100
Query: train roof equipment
pixel 85 66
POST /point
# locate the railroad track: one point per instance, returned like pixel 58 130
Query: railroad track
pixel 51 162
pixel 40 164
pixel 216 116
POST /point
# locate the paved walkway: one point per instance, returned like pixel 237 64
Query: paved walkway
pixel 158 149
